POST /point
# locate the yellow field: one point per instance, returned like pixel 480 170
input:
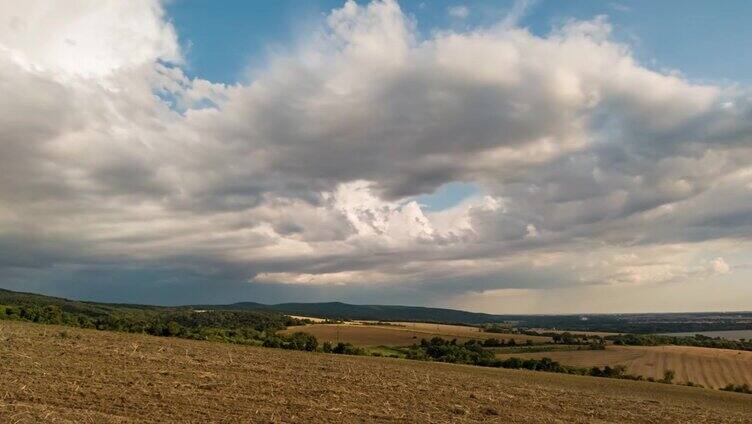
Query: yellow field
pixel 712 368
pixel 401 334
pixel 312 319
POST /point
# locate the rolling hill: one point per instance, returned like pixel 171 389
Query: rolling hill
pixel 627 323
pixel 64 375
pixel 371 312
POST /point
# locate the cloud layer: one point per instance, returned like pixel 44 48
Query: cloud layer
pixel 123 178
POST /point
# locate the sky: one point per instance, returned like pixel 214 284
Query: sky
pixel 504 157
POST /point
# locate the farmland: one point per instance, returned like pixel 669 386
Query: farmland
pixel 713 368
pixel 66 375
pixel 70 374
pixel 401 334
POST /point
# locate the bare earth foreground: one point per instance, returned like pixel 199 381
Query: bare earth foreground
pixel 90 376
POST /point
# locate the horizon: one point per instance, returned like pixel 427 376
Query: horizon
pixel 510 158
pixel 406 306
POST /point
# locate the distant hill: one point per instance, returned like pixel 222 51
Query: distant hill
pixel 324 310
pixel 620 323
pixel 8 297
pixel 616 323
pixel 371 312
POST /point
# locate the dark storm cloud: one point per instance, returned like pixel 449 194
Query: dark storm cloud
pixel 593 169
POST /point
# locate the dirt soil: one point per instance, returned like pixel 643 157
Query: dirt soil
pixel 63 375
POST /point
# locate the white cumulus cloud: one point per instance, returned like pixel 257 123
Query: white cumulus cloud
pixel 594 169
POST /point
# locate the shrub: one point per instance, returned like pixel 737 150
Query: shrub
pixel 609 372
pixel 273 341
pixel 173 329
pixel 691 384
pixel 514 362
pixel 668 376
pixel 347 349
pixel 493 342
pixel 300 341
pixel 742 388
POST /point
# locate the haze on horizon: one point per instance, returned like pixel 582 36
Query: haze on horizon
pixel 515 157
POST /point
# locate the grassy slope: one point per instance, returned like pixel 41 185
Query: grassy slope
pixel 90 376
pixel 8 297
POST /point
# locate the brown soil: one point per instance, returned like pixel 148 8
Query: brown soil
pixel 83 376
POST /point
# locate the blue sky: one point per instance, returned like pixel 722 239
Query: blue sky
pixel 526 157
pixel 705 40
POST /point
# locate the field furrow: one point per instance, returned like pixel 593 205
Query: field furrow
pixel 714 368
pixel 64 375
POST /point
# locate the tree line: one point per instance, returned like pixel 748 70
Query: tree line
pixel 697 340
pixel 244 327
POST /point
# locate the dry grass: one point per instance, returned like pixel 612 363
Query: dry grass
pixel 401 334
pixel 102 377
pixel 710 367
pixel 312 319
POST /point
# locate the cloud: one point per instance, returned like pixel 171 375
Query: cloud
pixel 594 170
pixel 720 266
pixel 518 10
pixel 459 12
pixel 86 38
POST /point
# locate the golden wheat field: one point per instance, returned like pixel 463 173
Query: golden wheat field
pixel 401 334
pixel 712 368
pixel 55 374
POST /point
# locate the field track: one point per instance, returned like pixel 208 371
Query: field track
pixel 712 368
pixel 63 375
pixel 402 334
